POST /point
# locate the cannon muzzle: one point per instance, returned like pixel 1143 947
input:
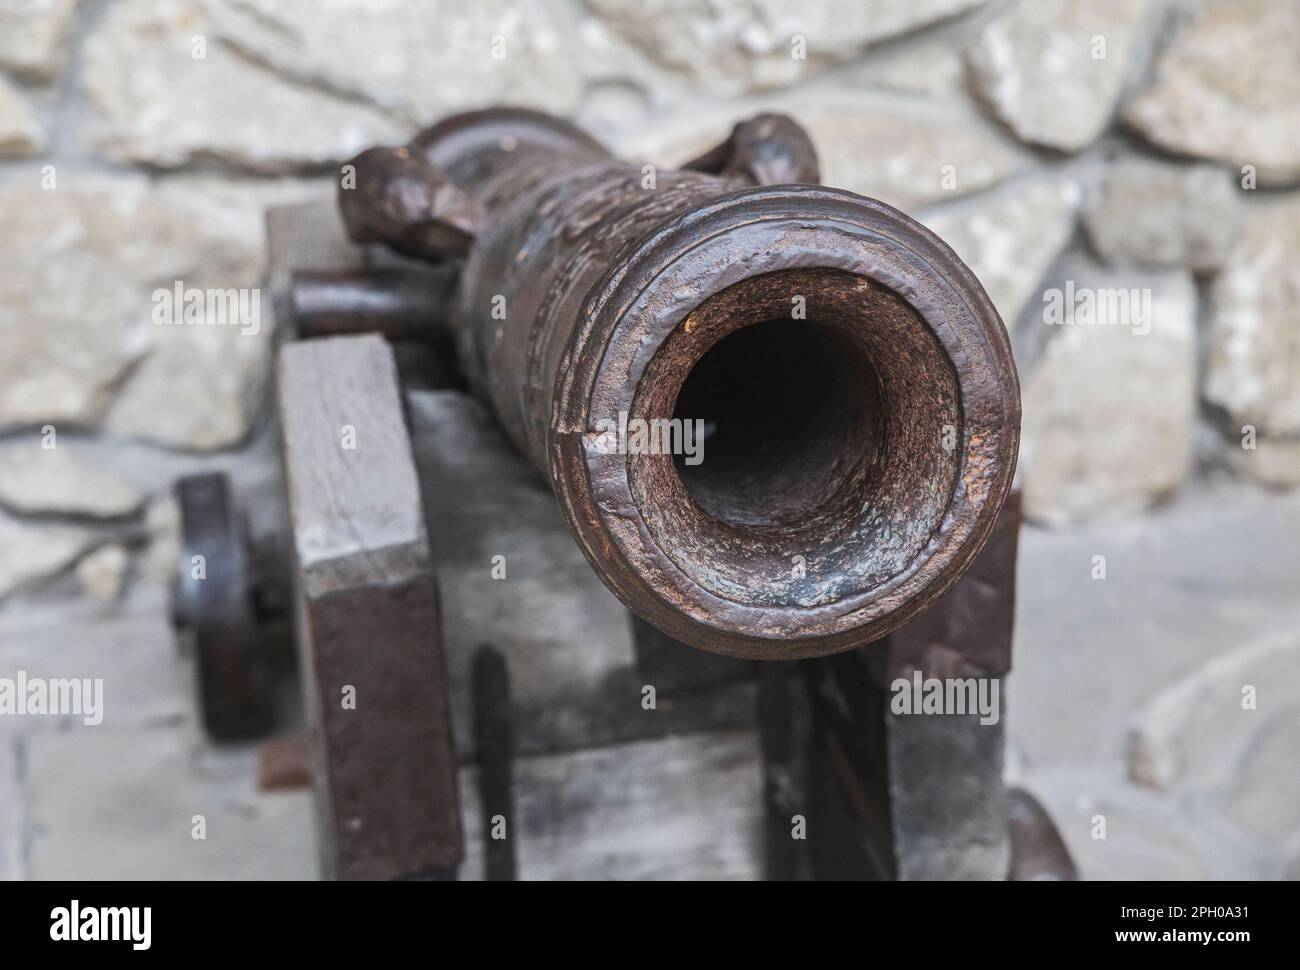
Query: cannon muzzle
pixel 779 418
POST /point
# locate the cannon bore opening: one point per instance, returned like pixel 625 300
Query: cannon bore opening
pixel 788 409
pixel 831 443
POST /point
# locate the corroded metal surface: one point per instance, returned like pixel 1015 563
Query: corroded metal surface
pixel 398 303
pixel 769 149
pixel 400 199
pixel 212 605
pixel 856 387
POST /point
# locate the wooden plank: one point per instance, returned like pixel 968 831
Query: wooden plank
pixel 681 807
pixel 369 620
pixel 783 724
pixel 950 808
pixel 850 829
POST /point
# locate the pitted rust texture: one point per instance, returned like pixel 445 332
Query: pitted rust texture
pixel 523 354
pixel 402 200
pixel 769 149
pixel 856 491
pixel 858 451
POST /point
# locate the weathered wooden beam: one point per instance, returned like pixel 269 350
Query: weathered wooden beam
pixel 950 805
pixel 679 807
pixel 369 625
pixel 783 724
pixel 850 825
pixel 494 737
pixel 911 794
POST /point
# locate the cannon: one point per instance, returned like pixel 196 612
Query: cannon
pixel 831 417
pixel 855 385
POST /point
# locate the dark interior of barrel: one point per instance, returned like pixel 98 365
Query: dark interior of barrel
pixel 831 424
pixel 783 404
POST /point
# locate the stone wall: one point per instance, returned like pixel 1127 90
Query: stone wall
pixel 1073 152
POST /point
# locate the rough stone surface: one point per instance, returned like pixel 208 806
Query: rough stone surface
pixel 30 552
pixel 1149 213
pixel 148 787
pixel 1216 569
pixel 1227 732
pixel 102 572
pixel 1253 368
pixel 1109 411
pixel 1264 795
pixel 903 155
pixel 935 68
pixel 1201 578
pixel 34 479
pixel 1037 67
pixel 1147 620
pixel 1010 238
pixel 1227 89
pixel 59 360
pixel 433 57
pixel 34 36
pixel 76 297
pixel 224 105
pixel 1274 462
pixel 734 46
pixel 20 132
pixel 117 800
pixel 1194 730
pixel 163 528
pixel 902 151
pixel 147 685
pixel 202 388
pixel 1145 836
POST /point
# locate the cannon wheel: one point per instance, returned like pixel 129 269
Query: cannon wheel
pixel 213 610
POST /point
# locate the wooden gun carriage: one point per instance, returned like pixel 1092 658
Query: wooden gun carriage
pixel 700 685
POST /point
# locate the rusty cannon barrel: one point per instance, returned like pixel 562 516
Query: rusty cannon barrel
pixel 855 386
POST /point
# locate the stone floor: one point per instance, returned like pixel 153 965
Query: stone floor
pixel 1137 675
pixel 1201 598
